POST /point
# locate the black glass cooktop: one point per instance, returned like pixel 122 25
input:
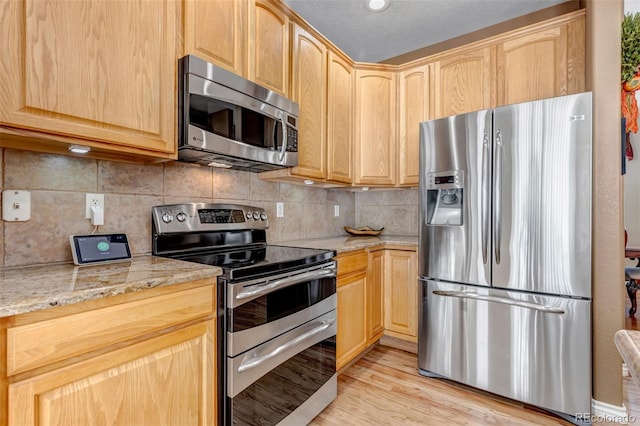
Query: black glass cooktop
pixel 258 261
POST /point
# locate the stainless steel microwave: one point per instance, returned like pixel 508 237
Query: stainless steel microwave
pixel 227 121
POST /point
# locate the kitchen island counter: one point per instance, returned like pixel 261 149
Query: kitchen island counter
pixel 344 244
pixel 628 344
pixel 32 288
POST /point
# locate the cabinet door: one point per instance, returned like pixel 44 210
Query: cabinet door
pixel 351 337
pixel 268 46
pixel 542 64
pixel 339 120
pixel 309 83
pixel 401 294
pixel 375 139
pixel 463 82
pixel 214 31
pixel 164 380
pixel 413 109
pixel 375 279
pixel 99 70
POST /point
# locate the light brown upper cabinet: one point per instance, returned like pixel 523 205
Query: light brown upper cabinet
pixel 268 48
pixel 413 108
pixel 309 90
pixel 542 64
pixel 103 72
pixel 339 120
pixel 375 136
pixel 215 31
pixel 463 82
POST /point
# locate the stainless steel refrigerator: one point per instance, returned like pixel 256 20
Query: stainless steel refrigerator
pixel 505 252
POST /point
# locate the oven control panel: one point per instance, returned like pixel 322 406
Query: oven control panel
pixel 207 217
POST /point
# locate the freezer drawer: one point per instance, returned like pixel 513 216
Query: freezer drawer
pixel 535 349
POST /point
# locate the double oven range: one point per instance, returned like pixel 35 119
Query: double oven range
pixel 276 311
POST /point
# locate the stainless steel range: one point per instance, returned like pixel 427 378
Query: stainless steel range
pixel 276 311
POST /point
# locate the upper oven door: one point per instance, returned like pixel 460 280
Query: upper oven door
pixel 261 309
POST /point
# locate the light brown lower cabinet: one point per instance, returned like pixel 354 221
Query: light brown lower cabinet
pixel 401 294
pixel 351 337
pixel 154 366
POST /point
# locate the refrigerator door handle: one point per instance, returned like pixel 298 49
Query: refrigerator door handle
pixel 498 196
pixel 485 193
pixel 503 300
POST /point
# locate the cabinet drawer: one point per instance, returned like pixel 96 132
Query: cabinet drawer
pixel 41 343
pixel 352 262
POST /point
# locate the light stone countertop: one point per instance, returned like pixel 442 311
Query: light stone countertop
pixel 347 243
pixel 32 288
pixel 628 344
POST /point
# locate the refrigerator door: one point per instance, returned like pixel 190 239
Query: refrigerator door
pixel 542 196
pixel 532 348
pixel 455 183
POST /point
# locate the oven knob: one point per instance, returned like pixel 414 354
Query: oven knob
pixel 166 217
pixel 248 215
pixel 256 216
pixel 181 216
pixel 263 216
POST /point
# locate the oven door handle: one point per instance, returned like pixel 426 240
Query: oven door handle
pixel 258 289
pixel 255 359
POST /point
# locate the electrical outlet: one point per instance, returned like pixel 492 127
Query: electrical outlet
pixel 336 210
pixel 279 209
pixel 96 200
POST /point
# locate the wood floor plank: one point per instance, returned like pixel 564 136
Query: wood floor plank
pixel 385 388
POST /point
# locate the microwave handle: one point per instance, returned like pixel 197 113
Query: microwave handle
pixel 284 139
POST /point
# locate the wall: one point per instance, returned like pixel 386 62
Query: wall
pixel 58 185
pixel 396 211
pixel 603 78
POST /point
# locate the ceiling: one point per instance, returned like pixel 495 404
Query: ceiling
pixel 406 25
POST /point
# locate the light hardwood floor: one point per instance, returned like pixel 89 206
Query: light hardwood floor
pixel 384 388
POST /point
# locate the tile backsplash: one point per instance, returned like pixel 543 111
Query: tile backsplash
pixel 58 185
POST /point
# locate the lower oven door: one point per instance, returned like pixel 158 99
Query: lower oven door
pixel 286 380
pixel 259 310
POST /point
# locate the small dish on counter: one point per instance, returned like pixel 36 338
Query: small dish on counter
pixel 363 230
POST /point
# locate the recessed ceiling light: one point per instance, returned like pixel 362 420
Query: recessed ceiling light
pixel 79 149
pixel 376 5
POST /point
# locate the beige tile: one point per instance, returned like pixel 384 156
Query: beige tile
pixel 31 171
pixel 231 184
pixel 398 197
pixel 291 225
pixel 317 220
pixel 369 198
pixel 315 195
pixel 398 220
pixel 45 237
pixel 263 190
pixel 188 180
pixel 174 199
pixel 124 178
pixel 370 215
pixel 131 214
pixel 341 197
pixel 291 192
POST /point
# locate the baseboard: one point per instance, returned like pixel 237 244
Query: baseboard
pixel 602 412
pixel 397 343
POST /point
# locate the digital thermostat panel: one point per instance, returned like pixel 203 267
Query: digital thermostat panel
pixel 99 248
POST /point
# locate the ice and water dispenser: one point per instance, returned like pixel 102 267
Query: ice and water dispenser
pixel 445 198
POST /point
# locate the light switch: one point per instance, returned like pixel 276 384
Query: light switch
pixel 16 205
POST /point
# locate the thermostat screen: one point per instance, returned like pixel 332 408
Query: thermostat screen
pixel 100 248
